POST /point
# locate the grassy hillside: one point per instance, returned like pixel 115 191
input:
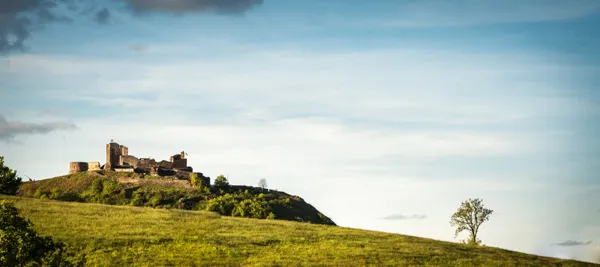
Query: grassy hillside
pixel 145 191
pixel 135 236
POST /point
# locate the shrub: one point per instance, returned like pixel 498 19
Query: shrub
pixel 58 194
pixel 242 209
pixel 185 203
pixel 110 187
pixel 106 191
pixel 195 181
pixel 252 208
pixel 39 193
pixel 138 198
pixel 224 204
pixel 155 200
pixel 287 202
pixel 97 187
pixel 20 245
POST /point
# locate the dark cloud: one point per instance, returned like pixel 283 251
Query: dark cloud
pixel 138 48
pixel 571 243
pixel 103 16
pixel 190 6
pixel 10 129
pixel 405 217
pixel 19 17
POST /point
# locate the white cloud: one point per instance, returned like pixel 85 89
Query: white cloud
pixel 395 86
pixel 405 217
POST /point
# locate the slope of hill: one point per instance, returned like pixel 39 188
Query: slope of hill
pixel 137 190
pixel 135 236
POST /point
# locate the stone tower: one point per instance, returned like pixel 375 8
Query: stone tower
pixel 114 155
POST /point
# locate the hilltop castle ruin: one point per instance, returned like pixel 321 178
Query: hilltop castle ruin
pixel 119 160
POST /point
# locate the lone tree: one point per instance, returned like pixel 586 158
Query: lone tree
pixel 470 216
pixel 262 183
pixel 9 182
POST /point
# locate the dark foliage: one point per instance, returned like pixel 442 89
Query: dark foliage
pixel 9 181
pixel 20 244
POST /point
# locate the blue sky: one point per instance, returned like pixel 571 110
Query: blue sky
pixel 414 106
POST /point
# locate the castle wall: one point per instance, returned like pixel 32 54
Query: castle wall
pixel 206 180
pixel 131 161
pixel 179 163
pixel 165 164
pixel 75 167
pixel 93 166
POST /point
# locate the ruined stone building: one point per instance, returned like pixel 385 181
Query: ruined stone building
pixel 119 160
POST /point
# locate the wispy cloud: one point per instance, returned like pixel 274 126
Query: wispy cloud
pixel 392 88
pixel 10 129
pixel 405 217
pixel 434 13
pixel 571 243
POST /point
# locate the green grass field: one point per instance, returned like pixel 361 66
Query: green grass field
pixel 137 236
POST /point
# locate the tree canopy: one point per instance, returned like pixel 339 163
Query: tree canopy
pixel 221 182
pixel 9 181
pixel 262 183
pixel 469 216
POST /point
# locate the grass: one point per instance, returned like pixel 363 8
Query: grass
pixel 136 236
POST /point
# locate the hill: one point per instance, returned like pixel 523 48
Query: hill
pixel 134 236
pixel 147 191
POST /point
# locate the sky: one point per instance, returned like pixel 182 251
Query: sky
pixel 384 115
